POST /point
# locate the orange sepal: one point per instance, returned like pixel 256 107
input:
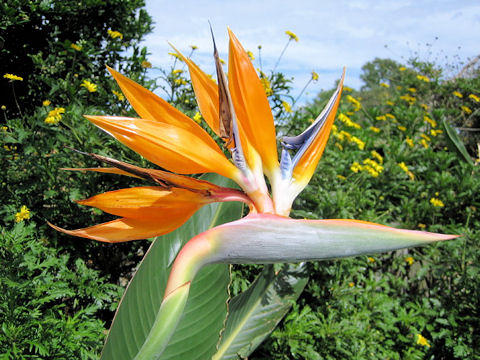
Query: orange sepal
pixel 152 107
pixel 307 164
pixel 123 229
pixel 171 147
pixel 251 105
pixel 148 202
pixel 206 93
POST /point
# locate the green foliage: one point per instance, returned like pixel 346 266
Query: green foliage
pixel 49 303
pixel 376 307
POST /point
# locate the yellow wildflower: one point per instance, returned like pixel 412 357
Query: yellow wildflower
pixel 46 102
pixel 408 98
pixel 339 146
pixel 13 77
pixel 356 104
pixel 458 94
pixel 315 77
pixel 436 202
pixel 176 56
pixel 466 109
pixel 286 106
pixel 390 116
pixel 76 47
pixel 4 128
pixel 54 116
pixel 474 97
pixel 377 156
pixel 180 81
pixel 404 167
pixel 350 113
pixel 422 226
pixel 372 167
pixel 422 341
pixel 177 71
pixel 412 90
pixel 423 78
pixel 391 103
pixel 409 142
pixel 435 132
pixel 266 86
pixel 115 34
pixel 334 129
pixel 356 167
pixel 341 177
pixel 222 61
pixel 370 259
pixel 409 260
pixel 3 107
pixel 146 64
pixel 250 55
pixel 424 143
pixel 432 122
pixel 91 87
pixel 347 121
pixel 374 129
pixel 424 106
pixel 360 143
pixel 194 47
pixel 385 85
pixel 10 148
pixel 381 117
pixel 119 95
pixel 348 89
pixel 351 284
pixel 23 214
pixel 401 128
pixel 402 68
pixel 197 117
pixel 291 35
pixel 426 137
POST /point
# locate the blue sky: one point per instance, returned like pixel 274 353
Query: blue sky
pixel 332 34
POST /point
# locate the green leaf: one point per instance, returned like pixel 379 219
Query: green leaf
pixel 197 333
pixel 455 144
pixel 256 312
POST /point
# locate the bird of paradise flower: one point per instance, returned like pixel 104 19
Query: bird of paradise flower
pixel 237 110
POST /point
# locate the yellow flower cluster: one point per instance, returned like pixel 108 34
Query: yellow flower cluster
pixel 115 34
pixel 408 98
pixel 54 116
pixel 315 76
pixel 250 55
pixel 374 129
pixel 466 109
pixel 23 214
pixel 436 202
pixel 356 104
pixel 176 56
pixel 402 68
pixel 377 156
pixel 381 118
pixel 458 94
pixel 372 167
pixel 412 90
pixel 91 87
pixel 405 168
pixel 402 128
pixel 46 102
pixel 423 78
pixel 370 259
pixel 286 106
pixel 435 132
pixel 347 121
pixel 291 35
pixel 13 77
pixel 119 95
pixel 180 82
pixel 76 47
pixel 385 85
pixel 422 341
pixel 409 260
pixel 424 107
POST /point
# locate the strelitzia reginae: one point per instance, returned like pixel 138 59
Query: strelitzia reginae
pixel 237 111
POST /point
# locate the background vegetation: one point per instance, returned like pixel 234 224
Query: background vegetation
pixel 396 156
